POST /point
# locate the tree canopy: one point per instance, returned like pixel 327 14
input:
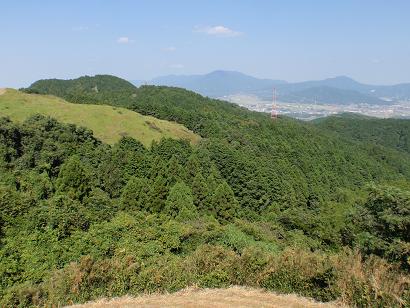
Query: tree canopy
pixel 284 205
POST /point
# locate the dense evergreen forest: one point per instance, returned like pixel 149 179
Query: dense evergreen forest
pixel 393 133
pixel 310 208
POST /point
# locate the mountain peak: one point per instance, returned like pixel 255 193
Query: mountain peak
pixel 225 73
pixel 343 78
pixel 343 82
pixel 221 83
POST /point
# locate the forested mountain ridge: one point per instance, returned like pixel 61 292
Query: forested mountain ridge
pixel 284 205
pixel 392 133
pixel 263 160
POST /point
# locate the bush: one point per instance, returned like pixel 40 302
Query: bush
pixel 344 276
pixel 301 272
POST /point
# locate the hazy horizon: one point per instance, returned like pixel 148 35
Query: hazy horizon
pixel 292 41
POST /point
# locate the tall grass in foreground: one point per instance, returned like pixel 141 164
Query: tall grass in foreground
pixel 345 277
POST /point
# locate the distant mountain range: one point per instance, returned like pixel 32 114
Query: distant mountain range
pixel 340 90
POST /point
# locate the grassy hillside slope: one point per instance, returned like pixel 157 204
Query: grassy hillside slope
pixel 108 123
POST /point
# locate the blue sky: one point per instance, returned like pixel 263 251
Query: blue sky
pixel 291 40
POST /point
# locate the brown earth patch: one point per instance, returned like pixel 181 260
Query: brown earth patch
pixel 215 298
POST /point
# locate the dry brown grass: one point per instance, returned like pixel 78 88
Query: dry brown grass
pixel 378 279
pixel 2 91
pixel 195 297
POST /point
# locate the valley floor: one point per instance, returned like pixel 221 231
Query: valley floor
pixel 217 298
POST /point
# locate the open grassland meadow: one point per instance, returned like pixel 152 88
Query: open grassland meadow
pixel 108 123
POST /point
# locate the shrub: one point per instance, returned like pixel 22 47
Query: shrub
pixel 301 272
pixel 370 283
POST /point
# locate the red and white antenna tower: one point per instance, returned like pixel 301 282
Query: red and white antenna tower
pixel 274 113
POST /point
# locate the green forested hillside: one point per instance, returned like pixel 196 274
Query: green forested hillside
pixel 283 205
pixel 392 133
pixel 263 161
pixel 101 89
pixel 81 219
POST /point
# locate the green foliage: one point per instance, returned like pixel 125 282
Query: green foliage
pixel 37 186
pixel 383 224
pixel 223 203
pixel 278 205
pixel 201 192
pixel 174 171
pixel 284 161
pixel 239 241
pixel 99 204
pixel 134 196
pixel 11 204
pixel 193 166
pixel 158 194
pixel 73 179
pixel 180 203
pixel 130 144
pixel 93 90
pixel 215 266
pixel 112 178
pixel 311 277
pixel 392 133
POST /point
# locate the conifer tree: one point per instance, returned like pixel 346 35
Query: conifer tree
pixel 130 144
pixel 192 167
pixel 158 194
pixel 223 203
pixel 158 167
pixel 180 202
pixel 214 178
pixel 135 194
pixel 111 176
pixel 73 179
pixel 200 192
pixel 175 172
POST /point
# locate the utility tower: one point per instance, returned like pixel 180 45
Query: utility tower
pixel 274 112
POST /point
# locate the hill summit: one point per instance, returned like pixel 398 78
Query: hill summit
pixel 99 89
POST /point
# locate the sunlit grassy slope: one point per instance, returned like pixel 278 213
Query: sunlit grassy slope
pixel 108 123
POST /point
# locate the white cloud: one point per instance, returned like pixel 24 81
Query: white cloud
pixel 177 66
pixel 124 40
pixel 217 31
pixel 170 49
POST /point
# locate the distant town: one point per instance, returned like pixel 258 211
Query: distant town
pixel 309 111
